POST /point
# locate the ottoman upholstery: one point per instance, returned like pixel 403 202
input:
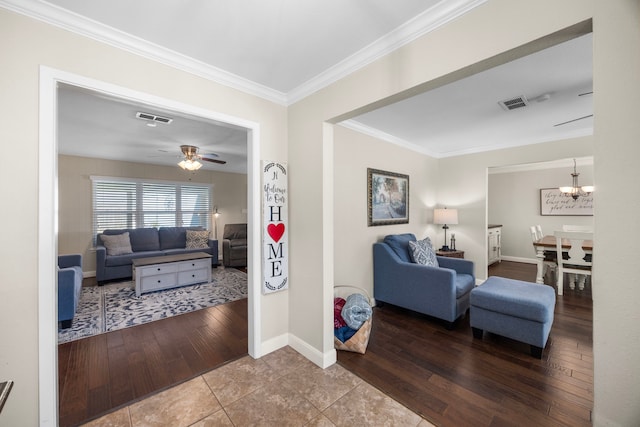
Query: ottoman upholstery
pixel 514 309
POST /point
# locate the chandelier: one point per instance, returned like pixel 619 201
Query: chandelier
pixel 575 190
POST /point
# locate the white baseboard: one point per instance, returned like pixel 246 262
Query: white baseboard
pixel 302 347
pixel 86 274
pixel 322 360
pixel 274 344
pixel 519 259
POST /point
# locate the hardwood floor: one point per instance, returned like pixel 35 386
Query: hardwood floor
pixel 448 377
pixel 452 379
pixel 107 371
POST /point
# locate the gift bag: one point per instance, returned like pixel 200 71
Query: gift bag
pixel 359 341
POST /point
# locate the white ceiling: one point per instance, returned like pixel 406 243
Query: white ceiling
pixel 284 50
pixel 95 125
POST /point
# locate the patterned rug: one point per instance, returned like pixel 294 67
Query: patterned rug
pixel 115 306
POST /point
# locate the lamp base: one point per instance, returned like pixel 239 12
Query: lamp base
pixel 445 249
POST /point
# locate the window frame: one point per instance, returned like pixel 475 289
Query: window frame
pixel 138 212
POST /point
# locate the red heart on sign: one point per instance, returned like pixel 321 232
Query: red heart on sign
pixel 275 231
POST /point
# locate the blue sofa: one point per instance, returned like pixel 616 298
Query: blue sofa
pixel 442 292
pixel 69 287
pixel 145 242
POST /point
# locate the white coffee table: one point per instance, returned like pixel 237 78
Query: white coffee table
pixel 171 271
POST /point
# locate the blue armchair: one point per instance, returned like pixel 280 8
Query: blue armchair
pixel 442 292
pixel 69 287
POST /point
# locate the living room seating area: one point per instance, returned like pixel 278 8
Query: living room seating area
pixel 117 248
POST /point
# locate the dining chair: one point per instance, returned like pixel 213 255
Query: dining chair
pixel 549 256
pixel 539 233
pixel 573 260
pixel 583 229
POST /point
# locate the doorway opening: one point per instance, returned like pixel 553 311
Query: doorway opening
pixel 48 217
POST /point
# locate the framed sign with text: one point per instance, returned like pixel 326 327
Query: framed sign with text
pixel 275 237
pixel 553 202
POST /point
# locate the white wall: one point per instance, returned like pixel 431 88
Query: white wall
pixel 353 238
pixel 514 202
pixel 616 317
pixel 75 221
pixel 26 45
pixel 480 35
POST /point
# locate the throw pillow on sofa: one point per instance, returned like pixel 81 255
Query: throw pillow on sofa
pixel 422 252
pixel 197 239
pixel 117 244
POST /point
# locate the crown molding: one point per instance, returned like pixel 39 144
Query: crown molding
pixel 429 20
pixel 375 133
pixel 551 164
pixel 86 27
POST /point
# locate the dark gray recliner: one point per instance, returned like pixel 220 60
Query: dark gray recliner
pixel 234 245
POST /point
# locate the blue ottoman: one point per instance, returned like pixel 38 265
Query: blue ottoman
pixel 514 309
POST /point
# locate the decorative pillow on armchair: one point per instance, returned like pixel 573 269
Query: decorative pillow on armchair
pixel 197 239
pixel 422 252
pixel 117 244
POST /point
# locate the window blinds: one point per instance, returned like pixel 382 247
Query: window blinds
pixel 129 203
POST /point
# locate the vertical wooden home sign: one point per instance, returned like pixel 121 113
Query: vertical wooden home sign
pixel 275 236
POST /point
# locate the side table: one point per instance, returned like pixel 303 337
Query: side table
pixel 451 254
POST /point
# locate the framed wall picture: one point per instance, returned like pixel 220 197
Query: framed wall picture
pixel 387 197
pixel 553 202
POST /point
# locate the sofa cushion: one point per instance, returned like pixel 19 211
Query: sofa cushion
pixel 464 284
pixel 119 260
pixel 399 243
pixel 422 252
pixel 197 239
pixel 118 244
pixel 238 243
pixel 235 231
pixel 144 239
pixel 172 237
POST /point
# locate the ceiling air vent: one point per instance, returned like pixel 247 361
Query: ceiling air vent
pixel 153 118
pixel 514 103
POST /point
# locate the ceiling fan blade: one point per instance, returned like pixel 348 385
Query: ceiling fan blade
pixel 574 120
pixel 207 159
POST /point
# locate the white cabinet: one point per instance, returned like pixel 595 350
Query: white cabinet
pixel 494 235
pixel 152 274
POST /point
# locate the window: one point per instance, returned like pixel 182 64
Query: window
pixel 129 203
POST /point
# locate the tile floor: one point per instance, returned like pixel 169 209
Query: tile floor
pixel 282 388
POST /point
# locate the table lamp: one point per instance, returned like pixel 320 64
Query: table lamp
pixel 445 216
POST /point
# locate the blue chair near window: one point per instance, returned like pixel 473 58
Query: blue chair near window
pixel 69 288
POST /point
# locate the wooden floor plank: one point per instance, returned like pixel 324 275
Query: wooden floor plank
pixel 495 374
pixel 104 372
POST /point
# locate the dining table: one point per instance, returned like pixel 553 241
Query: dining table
pixel 548 243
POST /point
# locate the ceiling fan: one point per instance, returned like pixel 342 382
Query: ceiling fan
pixel 579 118
pixel 191 157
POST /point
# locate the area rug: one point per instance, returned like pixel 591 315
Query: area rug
pixel 115 306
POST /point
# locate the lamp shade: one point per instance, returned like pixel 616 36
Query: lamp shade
pixel 445 216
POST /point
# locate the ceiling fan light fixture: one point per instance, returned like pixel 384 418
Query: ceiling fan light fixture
pixel 190 165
